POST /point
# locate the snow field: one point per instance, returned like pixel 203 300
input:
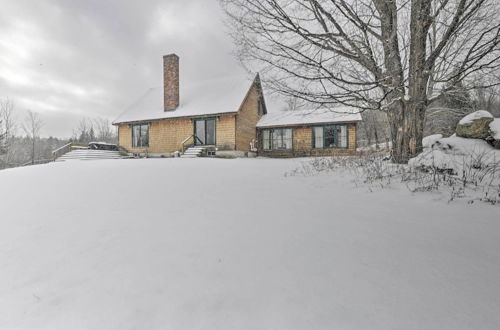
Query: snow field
pixel 234 244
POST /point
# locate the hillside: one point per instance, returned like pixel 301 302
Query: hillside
pixel 236 244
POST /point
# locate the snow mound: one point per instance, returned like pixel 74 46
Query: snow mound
pixel 428 141
pixel 495 128
pixel 475 116
pixel 454 152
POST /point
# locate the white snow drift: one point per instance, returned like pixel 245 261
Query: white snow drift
pixel 234 244
pixel 454 153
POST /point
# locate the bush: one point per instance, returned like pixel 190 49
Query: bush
pixel 479 178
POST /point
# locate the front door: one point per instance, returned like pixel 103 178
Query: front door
pixel 204 129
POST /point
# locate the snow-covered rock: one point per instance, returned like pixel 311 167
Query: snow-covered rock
pixel 471 117
pixel 475 125
pixel 452 153
pixel 494 138
pixel 495 128
pixel 428 141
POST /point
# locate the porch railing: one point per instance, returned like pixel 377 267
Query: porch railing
pixel 184 142
pixel 67 148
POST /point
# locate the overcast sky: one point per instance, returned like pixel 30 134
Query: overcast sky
pixel 68 59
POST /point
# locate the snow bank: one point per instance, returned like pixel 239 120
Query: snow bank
pixel 428 141
pixel 474 116
pixel 234 244
pixel 495 128
pixel 453 152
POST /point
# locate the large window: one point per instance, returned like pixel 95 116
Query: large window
pixel 277 139
pixel 330 136
pixel 140 136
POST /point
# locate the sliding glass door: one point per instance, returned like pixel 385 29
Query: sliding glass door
pixel 204 129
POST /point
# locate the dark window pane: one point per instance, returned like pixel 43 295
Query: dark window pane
pixel 135 136
pixel 318 137
pixel 145 135
pixel 276 138
pixel 330 133
pixel 200 131
pixel 210 139
pixel 140 136
pixel 266 137
pixel 343 136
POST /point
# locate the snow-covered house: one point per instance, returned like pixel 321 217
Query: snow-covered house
pixel 220 114
pixel 318 132
pixel 229 115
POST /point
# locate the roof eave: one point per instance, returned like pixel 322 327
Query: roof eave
pixel 178 117
pixel 309 124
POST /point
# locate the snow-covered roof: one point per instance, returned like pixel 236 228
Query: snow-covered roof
pixel 314 116
pixel 217 96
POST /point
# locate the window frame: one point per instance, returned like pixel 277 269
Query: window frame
pixel 133 126
pixel 205 119
pixel 282 137
pixel 338 130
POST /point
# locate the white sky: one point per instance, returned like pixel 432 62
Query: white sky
pixel 68 59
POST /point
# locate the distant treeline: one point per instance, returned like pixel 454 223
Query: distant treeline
pixel 21 144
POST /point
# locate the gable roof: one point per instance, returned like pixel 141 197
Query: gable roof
pixel 310 116
pixel 209 97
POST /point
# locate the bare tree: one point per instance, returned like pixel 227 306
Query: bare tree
pixel 82 133
pixel 32 125
pixel 8 127
pixel 7 116
pixel 104 131
pixel 374 128
pixel 89 130
pixel 389 55
pixel 3 149
pixel 488 99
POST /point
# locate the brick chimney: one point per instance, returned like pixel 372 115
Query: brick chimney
pixel 170 82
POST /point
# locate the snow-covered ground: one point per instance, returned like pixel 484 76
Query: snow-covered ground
pixel 236 244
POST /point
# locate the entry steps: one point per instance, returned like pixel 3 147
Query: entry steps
pixel 193 152
pixel 90 154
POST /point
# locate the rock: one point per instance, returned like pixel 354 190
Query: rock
pixel 475 125
pixel 494 138
pixel 428 141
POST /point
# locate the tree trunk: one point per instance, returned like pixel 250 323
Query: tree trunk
pixel 407 125
pixel 375 132
pixel 33 152
pixel 368 136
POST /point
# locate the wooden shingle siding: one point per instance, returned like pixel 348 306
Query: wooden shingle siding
pixel 165 136
pixel 226 132
pixel 246 120
pixel 303 145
